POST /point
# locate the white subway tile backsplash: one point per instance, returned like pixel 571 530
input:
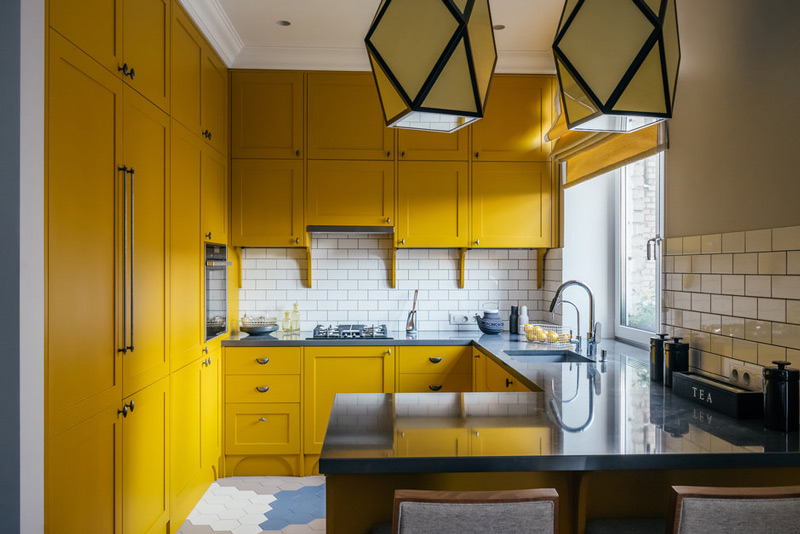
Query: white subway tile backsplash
pixel 733 242
pixel 772 310
pixel 745 307
pixel 722 304
pixel 732 284
pixel 692 282
pixel 701 302
pixel 770 353
pixel 674 246
pixel 745 350
pixel 711 283
pixel 758 286
pixel 786 238
pixel 691 245
pixel 760 331
pixel 786 335
pixel 793 311
pixel 701 263
pixel 711 243
pixel 786 287
pixel 722 263
pixel 745 263
pixel 758 240
pixel 772 263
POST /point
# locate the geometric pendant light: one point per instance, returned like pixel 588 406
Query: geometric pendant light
pixel 432 61
pixel 617 63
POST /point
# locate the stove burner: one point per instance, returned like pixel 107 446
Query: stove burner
pixel 351 331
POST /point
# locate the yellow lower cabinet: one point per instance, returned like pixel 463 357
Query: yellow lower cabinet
pixel 434 382
pixel 522 441
pixel 83 491
pixel 145 461
pixel 211 413
pixel 262 360
pixel 498 379
pixel 266 428
pixel 262 388
pixel 434 359
pixel 425 442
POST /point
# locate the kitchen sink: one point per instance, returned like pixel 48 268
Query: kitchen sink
pixel 548 356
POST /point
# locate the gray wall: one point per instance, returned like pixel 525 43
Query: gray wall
pixel 9 264
pixel 733 157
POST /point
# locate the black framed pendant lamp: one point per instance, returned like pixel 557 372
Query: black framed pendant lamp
pixel 617 63
pixel 432 61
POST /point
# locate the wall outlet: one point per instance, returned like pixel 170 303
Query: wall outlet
pixel 461 318
pixel 743 374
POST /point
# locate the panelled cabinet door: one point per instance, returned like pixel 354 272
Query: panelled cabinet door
pixel 331 370
pixel 186 259
pixel 186 70
pixel 211 413
pixel 415 145
pixel 94 26
pixel 84 236
pixel 146 42
pixel 345 118
pixel 214 101
pixel 145 461
pixel 522 441
pixel 267 203
pixel 498 221
pixel 518 115
pixel 83 481
pixel 214 197
pixel 262 428
pixel 267 115
pixel 432 204
pixel 351 193
pixel 432 442
pixel 146 151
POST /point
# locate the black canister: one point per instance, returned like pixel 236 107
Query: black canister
pixel 676 359
pixel 657 358
pixel 513 321
pixel 781 398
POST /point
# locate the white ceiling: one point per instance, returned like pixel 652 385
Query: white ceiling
pixel 329 34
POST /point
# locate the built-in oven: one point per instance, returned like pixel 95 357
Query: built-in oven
pixel 216 290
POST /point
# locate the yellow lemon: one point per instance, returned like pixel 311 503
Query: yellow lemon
pixel 552 336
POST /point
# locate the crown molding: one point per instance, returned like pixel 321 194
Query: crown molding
pixel 215 25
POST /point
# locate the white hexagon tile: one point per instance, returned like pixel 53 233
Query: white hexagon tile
pixel 256 505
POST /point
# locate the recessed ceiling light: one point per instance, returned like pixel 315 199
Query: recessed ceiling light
pixel 499 27
pixel 283 23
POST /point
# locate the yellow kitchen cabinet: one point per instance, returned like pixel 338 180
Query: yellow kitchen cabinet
pixel 84 237
pixel 345 118
pixel 357 193
pixel 431 442
pixel 434 382
pixel 267 203
pixel 434 359
pixel 518 115
pixel 186 330
pixel 145 140
pixel 263 360
pixel 479 371
pixel 214 197
pixel 94 26
pixel 416 145
pixel 214 100
pixel 211 411
pixel 262 388
pixel 145 461
pixel 186 70
pixel 83 492
pixel 267 114
pixel 262 428
pixel 432 204
pixel 331 370
pixel 514 441
pixel 512 205
pixel 498 379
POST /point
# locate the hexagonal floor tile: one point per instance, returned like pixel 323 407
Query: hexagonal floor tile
pixel 247 529
pixel 225 524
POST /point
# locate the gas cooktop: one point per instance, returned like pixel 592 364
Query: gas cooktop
pixel 351 331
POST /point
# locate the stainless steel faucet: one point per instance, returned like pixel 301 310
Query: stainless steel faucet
pixel 593 336
pixel 577 312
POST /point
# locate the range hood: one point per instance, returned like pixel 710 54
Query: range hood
pixel 348 229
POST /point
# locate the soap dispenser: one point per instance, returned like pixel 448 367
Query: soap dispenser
pixel 523 319
pixel 295 319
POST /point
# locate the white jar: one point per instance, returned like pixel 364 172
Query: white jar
pixel 523 319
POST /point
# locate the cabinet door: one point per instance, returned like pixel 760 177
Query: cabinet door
pixel 432 203
pixel 434 359
pixel 262 428
pixel 434 382
pixel 331 370
pixel 267 203
pixel 214 101
pixel 186 259
pixel 146 30
pixel 345 118
pixel 511 205
pixel 214 197
pixel 357 193
pixel 94 26
pixel 83 482
pixel 186 68
pixel 518 115
pixel 415 145
pixel 145 461
pixel 146 151
pixel 498 379
pixel 523 441
pixel 210 413
pixel 432 442
pixel 267 115
pixel 84 215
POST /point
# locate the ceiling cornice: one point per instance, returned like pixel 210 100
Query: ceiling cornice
pixel 215 25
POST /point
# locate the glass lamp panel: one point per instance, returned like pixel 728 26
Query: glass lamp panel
pixel 481 40
pixel 645 92
pixel 616 123
pixel 672 50
pixel 393 104
pixel 569 7
pixel 654 5
pixel 411 37
pixel 433 122
pixel 601 43
pixel 577 105
pixel 461 4
pixel 452 90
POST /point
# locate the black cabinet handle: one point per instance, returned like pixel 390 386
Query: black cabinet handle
pixel 262 361
pixel 207 134
pixel 403 154
pixel 208 235
pixel 262 389
pixel 435 388
pixel 508 382
pixel 388 154
pixel 124 69
pixel 130 406
pixel 124 349
pixel 297 153
pixel 434 360
pixel 477 154
pixel 123 411
pixel 132 73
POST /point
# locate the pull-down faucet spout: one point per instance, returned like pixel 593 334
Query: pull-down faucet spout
pixel 593 335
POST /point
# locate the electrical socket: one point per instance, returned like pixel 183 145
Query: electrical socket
pixel 462 318
pixel 743 374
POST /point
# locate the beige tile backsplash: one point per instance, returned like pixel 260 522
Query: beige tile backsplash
pixel 735 295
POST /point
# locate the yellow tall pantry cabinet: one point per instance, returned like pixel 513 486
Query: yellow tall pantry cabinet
pixel 121 335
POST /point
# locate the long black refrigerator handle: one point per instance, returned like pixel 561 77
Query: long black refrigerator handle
pixel 133 227
pixel 124 169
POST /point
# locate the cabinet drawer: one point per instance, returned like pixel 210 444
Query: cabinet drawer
pixel 434 382
pixel 262 429
pixel 434 359
pixel 277 388
pixel 262 360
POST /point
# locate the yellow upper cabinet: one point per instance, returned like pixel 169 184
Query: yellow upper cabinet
pixel 418 145
pixel 267 203
pixel 345 119
pixel 359 193
pixel 214 98
pixel 186 70
pixel 432 204
pixel 518 115
pixel 214 197
pixel 267 114
pixel 511 205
